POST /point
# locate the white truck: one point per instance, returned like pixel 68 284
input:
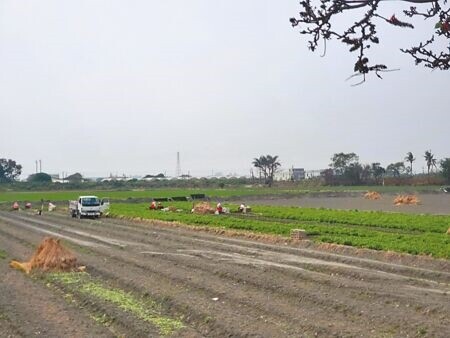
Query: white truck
pixel 88 206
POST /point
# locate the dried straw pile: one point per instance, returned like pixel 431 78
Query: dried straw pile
pixel 406 200
pixel 49 256
pixel 203 208
pixel 372 195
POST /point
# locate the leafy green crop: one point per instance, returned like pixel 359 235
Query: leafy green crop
pixel 145 310
pixel 427 223
pixel 415 234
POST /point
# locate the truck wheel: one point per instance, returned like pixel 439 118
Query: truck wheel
pixel 73 214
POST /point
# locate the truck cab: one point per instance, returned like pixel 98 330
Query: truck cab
pixel 85 206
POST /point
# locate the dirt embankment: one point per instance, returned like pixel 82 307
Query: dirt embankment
pixel 233 287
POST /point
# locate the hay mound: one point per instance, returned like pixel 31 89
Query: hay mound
pixel 448 231
pixel 372 195
pixel 406 200
pixel 49 256
pixel 203 208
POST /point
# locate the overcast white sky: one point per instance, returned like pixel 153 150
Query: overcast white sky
pixel 104 86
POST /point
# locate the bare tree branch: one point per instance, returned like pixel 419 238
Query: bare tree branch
pixel 316 20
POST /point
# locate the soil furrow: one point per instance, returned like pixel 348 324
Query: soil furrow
pixel 262 289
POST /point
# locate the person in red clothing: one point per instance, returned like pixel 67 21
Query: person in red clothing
pixel 219 208
pixel 153 206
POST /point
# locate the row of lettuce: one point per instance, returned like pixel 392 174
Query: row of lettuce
pixel 414 234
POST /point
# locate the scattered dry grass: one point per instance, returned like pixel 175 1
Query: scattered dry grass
pixel 372 195
pixel 203 208
pixel 406 200
pixel 49 256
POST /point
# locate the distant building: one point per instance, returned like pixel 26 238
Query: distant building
pixel 116 178
pixel 292 174
pixel 282 175
pixel 57 179
pixel 297 174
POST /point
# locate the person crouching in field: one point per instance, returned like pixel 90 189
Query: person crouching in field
pixel 152 206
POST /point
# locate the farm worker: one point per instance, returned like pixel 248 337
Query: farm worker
pixel 28 205
pixel 15 206
pixel 219 208
pixel 51 206
pixel 153 205
pixel 160 206
pixel 242 208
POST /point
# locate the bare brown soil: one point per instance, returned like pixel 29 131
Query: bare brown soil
pixel 221 286
pixel 438 203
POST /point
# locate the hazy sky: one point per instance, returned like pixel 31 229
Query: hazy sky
pixel 104 86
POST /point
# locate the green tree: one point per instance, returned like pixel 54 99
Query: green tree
pixel 410 158
pixel 341 162
pixel 347 168
pixel 377 171
pixel 445 169
pixel 39 178
pixel 267 165
pixel 260 164
pixel 395 169
pixel 9 170
pixel 430 160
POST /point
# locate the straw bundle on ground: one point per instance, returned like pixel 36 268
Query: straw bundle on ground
pixel 406 200
pixel 372 195
pixel 49 256
pixel 203 208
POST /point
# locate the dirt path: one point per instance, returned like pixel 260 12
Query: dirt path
pixel 233 287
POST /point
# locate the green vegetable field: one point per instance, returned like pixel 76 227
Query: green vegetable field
pixel 65 195
pixel 414 234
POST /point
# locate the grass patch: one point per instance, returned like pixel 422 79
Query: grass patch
pixel 35 196
pixel 143 309
pixel 3 254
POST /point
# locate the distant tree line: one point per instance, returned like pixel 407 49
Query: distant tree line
pixel 345 169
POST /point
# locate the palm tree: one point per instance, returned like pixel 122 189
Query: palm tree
pixel 410 158
pixel 267 165
pixel 272 165
pixel 431 161
pixel 260 163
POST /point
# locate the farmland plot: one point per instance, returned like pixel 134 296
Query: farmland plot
pixel 415 234
pixel 152 279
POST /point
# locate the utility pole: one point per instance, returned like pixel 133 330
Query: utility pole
pixel 40 166
pixel 178 170
pixel 36 166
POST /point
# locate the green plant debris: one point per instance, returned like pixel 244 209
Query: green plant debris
pixel 2 254
pixel 103 319
pixel 145 310
pixel 413 234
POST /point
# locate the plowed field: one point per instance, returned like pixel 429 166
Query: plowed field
pixel 214 286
